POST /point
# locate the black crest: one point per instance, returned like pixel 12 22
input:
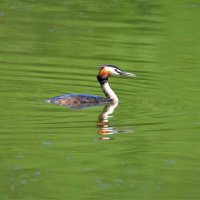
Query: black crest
pixel 108 65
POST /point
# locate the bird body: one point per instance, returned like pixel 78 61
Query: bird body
pixel 86 100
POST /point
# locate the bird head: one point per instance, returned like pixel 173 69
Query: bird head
pixel 111 70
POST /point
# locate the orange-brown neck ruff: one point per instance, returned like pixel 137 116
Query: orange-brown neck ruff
pixel 104 72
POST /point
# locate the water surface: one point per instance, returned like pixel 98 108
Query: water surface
pixel 54 48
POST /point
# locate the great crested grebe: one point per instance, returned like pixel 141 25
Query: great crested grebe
pixel 86 100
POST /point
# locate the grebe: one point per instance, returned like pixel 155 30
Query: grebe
pixel 87 100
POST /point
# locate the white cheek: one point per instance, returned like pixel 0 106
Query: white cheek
pixel 113 72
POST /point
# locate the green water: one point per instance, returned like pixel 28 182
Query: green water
pixel 50 48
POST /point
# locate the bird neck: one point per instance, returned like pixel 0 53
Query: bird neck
pixel 107 89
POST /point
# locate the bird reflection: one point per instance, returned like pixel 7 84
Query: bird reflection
pixel 105 130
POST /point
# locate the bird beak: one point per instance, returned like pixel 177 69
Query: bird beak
pixel 122 73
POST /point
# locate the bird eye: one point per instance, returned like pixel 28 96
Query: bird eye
pixel 118 71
